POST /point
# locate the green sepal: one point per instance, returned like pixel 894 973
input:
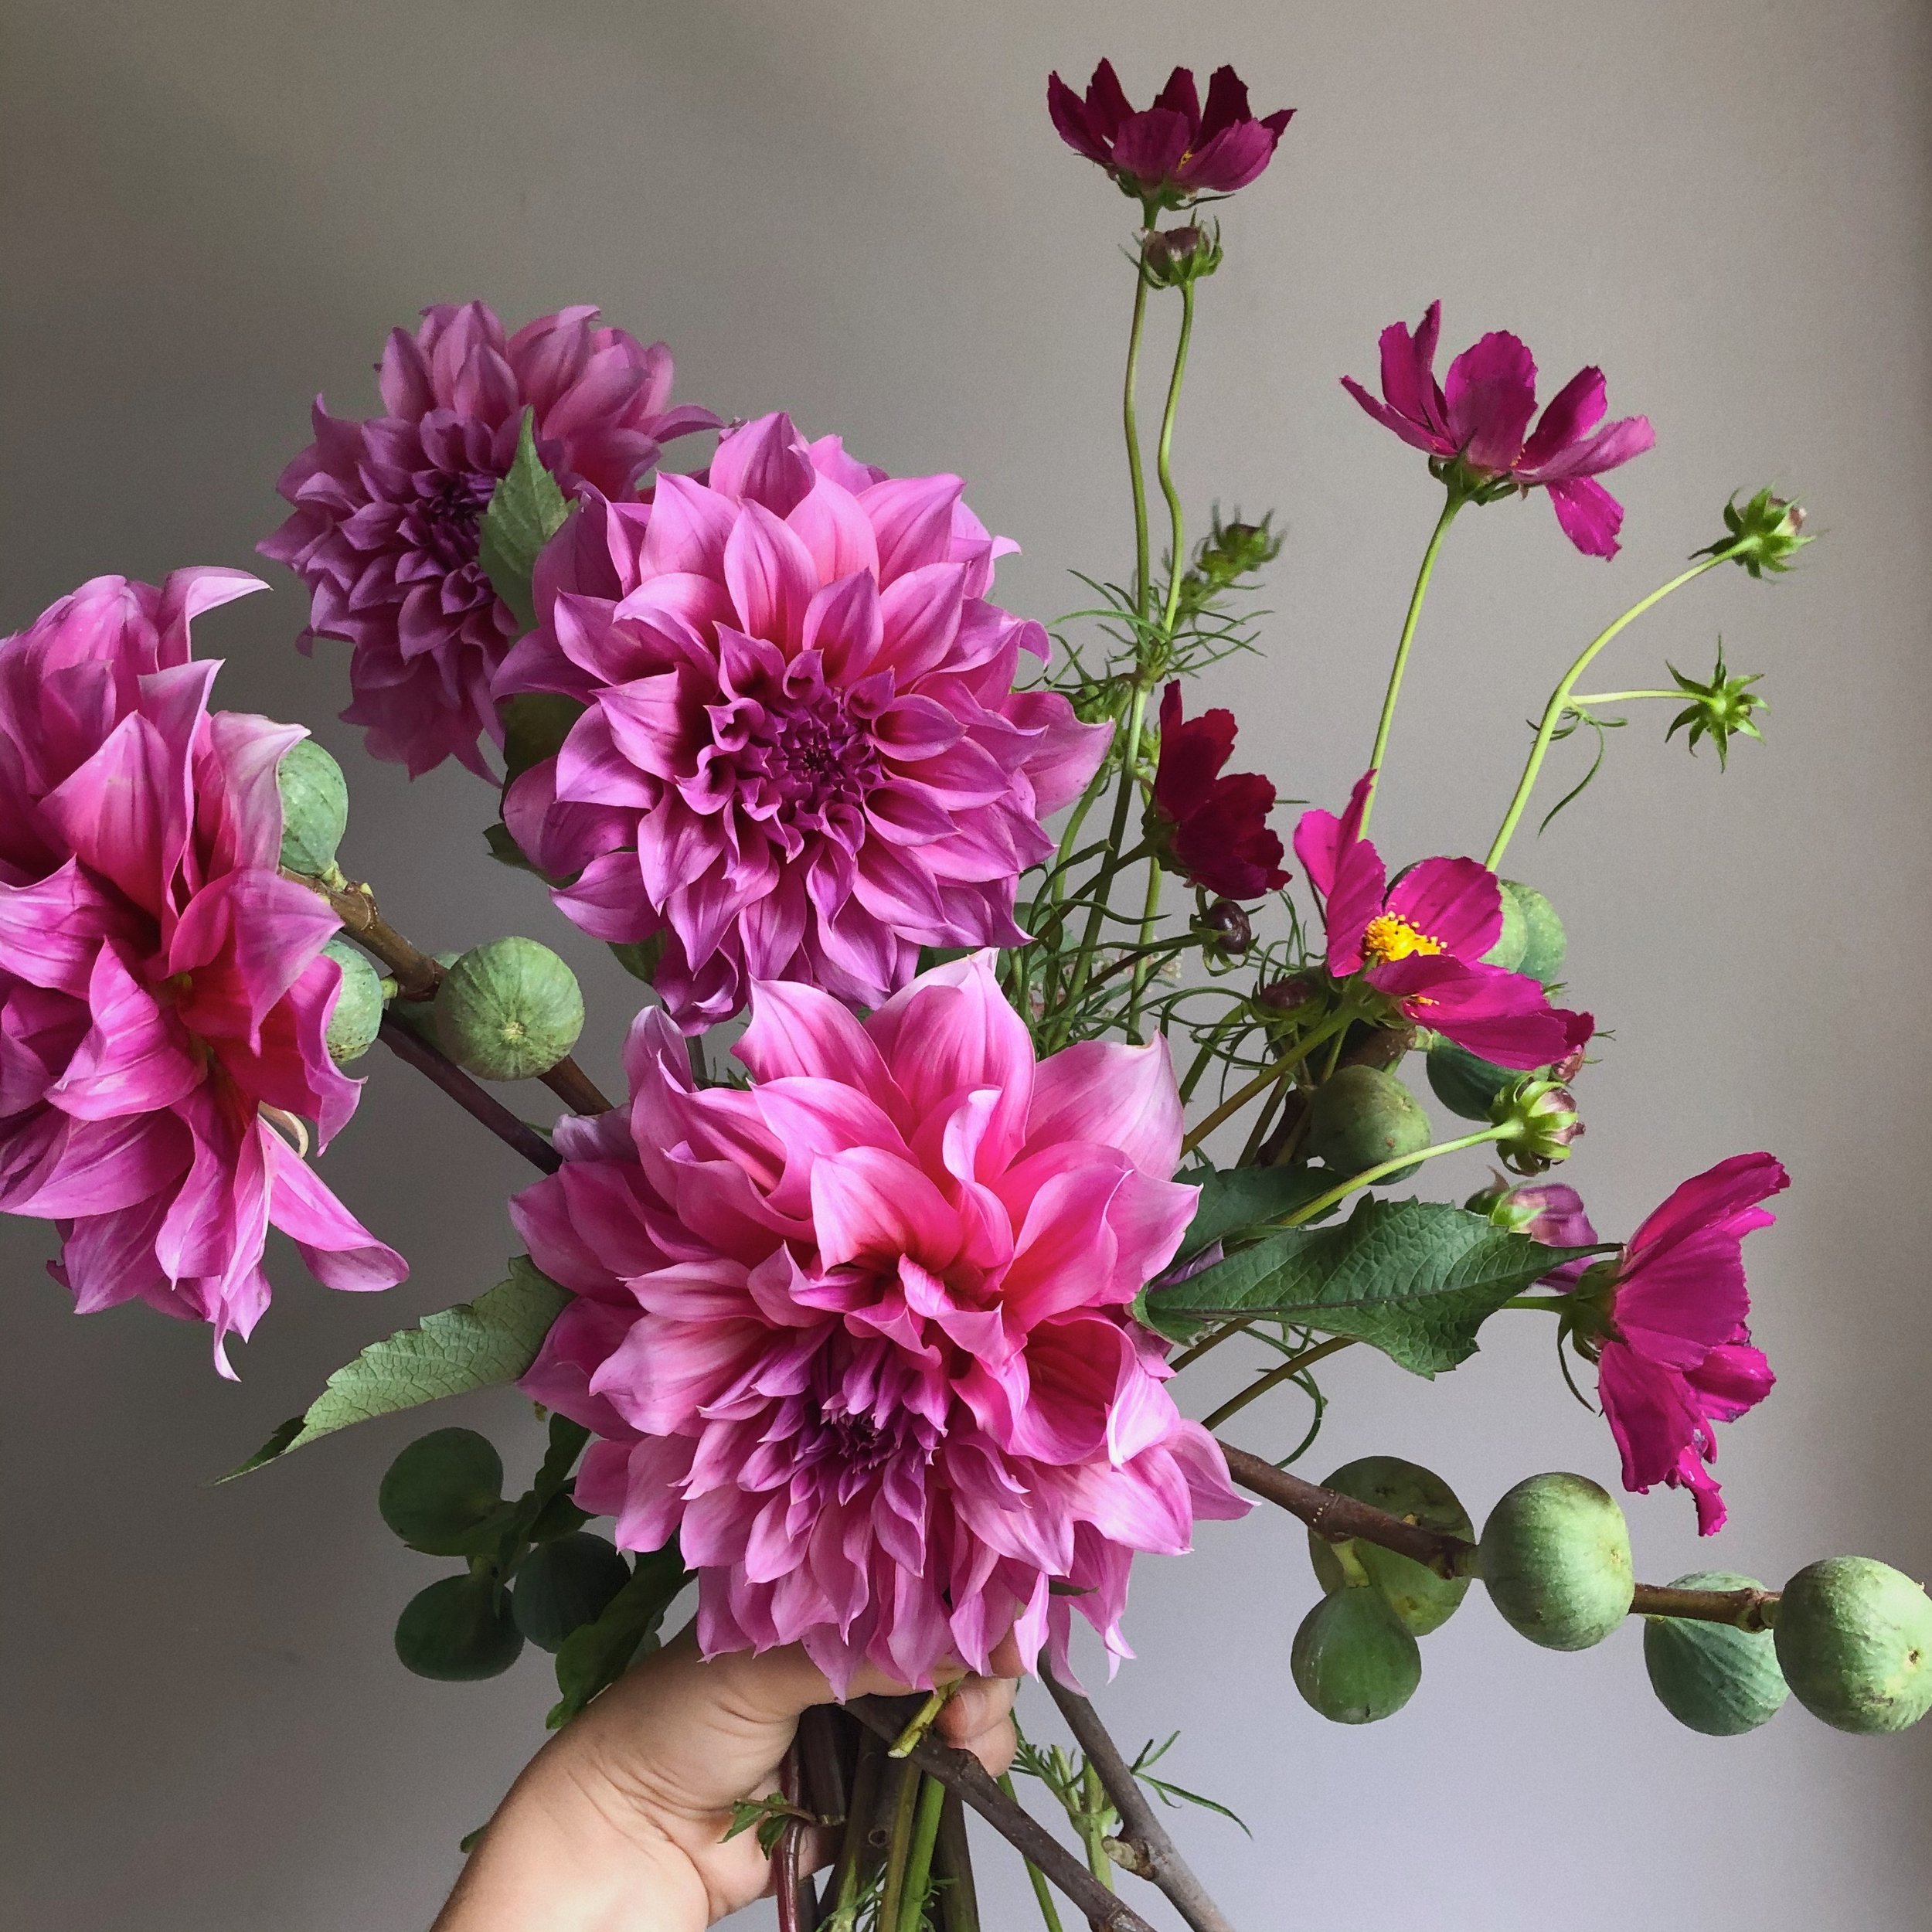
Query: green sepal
pixel 526 509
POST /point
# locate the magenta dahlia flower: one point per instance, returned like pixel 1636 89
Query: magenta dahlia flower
pixel 1480 424
pixel 164 997
pixel 1170 153
pixel 1419 943
pixel 803 756
pixel 1212 825
pixel 1666 1322
pixel 384 529
pixel 859 1335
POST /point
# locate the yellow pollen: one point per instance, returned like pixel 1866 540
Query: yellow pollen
pixel 1390 936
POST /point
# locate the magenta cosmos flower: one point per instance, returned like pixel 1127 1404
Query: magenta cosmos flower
pixel 1666 1322
pixel 1419 943
pixel 1169 154
pixel 1480 425
pixel 384 531
pixel 803 757
pixel 859 1335
pixel 1213 825
pixel 163 995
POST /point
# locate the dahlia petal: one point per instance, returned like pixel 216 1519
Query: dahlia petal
pixel 771 575
pixel 867 1202
pixel 338 1250
pixel 52 931
pixel 912 517
pixel 1121 1097
pixel 134 1060
pixel 837 534
pixel 763 462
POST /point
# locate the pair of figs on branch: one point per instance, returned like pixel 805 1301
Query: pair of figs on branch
pixel 506 1010
pixel 1850 1637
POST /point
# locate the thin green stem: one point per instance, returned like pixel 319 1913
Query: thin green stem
pixel 919 1858
pixel 1451 504
pixel 1333 1026
pixel 1131 422
pixel 1322 1203
pixel 1150 914
pixel 1620 697
pixel 1049 1911
pixel 1109 867
pixel 1553 1304
pixel 1282 1372
pixel 1093 1832
pixel 1163 456
pixel 899 1850
pixel 1559 700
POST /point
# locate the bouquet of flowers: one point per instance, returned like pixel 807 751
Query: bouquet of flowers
pixel 997 1060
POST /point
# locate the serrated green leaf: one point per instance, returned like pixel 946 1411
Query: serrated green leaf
pixel 526 509
pixel 483 1344
pixel 596 1656
pixel 1235 1199
pixel 1415 1279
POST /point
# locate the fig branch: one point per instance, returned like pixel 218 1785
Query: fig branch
pixel 407 1044
pixel 1340 1519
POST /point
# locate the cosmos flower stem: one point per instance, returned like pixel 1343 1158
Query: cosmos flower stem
pixel 1619 697
pixel 1553 1304
pixel 919 1859
pixel 1322 1203
pixel 1116 840
pixel 1150 916
pixel 1453 502
pixel 1049 1912
pixel 1336 1025
pixel 1164 461
pixel 1282 1372
pixel 1130 420
pixel 1559 698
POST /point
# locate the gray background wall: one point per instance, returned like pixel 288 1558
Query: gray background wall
pixel 856 209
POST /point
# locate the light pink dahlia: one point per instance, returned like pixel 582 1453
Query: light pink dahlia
pixel 384 530
pixel 859 1335
pixel 803 756
pixel 164 997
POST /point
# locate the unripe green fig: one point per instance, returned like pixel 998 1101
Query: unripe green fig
pixel 508 1011
pixel 1508 950
pixel 1555 1555
pixel 1464 1082
pixel 564 1584
pixel 1352 1659
pixel 1545 944
pixel 458 1630
pixel 1363 1117
pixel 357 1016
pixel 1714 1678
pixel 315 807
pixel 1855 1639
pixel 1422 1600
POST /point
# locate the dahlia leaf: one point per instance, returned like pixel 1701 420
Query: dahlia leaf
pixel 1415 1279
pixel 1234 1200
pixel 525 510
pixel 484 1344
pixel 595 1655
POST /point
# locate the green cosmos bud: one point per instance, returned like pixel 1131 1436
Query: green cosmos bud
pixel 315 808
pixel 1363 1117
pixel 357 1016
pixel 1556 1556
pixel 1855 1639
pixel 1422 1600
pixel 1352 1660
pixel 1717 709
pixel 1714 1678
pixel 1539 1119
pixel 1765 535
pixel 1176 256
pixel 508 1011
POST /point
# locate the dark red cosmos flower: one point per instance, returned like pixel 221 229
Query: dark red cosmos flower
pixel 1173 151
pixel 1212 829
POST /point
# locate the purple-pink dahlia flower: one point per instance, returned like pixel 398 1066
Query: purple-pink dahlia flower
pixel 803 757
pixel 1480 424
pixel 384 529
pixel 1419 943
pixel 164 996
pixel 859 1335
pixel 1170 153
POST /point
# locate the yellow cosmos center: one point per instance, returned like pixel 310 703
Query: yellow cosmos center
pixel 1390 936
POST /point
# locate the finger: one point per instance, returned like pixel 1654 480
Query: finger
pixel 980 1704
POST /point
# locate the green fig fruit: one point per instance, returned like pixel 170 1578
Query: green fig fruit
pixel 1363 1117
pixel 1352 1659
pixel 564 1584
pixel 1714 1678
pixel 1511 942
pixel 442 1490
pixel 1545 944
pixel 508 1011
pixel 458 1630
pixel 1464 1083
pixel 1422 1600
pixel 1555 1555
pixel 1855 1639
pixel 357 1016
pixel 315 807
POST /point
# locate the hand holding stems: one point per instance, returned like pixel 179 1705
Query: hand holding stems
pixel 618 1824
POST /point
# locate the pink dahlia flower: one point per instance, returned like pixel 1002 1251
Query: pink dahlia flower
pixel 384 530
pixel 1169 153
pixel 164 997
pixel 1419 943
pixel 859 1335
pixel 803 757
pixel 1481 425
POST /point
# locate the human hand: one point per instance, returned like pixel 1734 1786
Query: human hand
pixel 617 1825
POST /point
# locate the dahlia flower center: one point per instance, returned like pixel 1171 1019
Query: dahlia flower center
pixel 816 756
pixel 1389 936
pixel 443 522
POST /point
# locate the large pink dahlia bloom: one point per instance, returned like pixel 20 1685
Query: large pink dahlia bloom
pixel 384 529
pixel 802 757
pixel 163 995
pixel 859 1335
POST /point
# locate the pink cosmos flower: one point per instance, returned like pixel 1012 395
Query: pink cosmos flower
pixel 1556 1218
pixel 384 531
pixel 859 1335
pixel 1674 1354
pixel 1481 425
pixel 163 995
pixel 803 756
pixel 1173 151
pixel 1419 943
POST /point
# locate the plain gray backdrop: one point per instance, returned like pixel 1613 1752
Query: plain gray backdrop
pixel 856 209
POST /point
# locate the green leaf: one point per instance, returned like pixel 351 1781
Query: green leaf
pixel 458 1630
pixel 483 1344
pixel 1415 1279
pixel 504 849
pixel 1235 1199
pixel 443 1490
pixel 525 510
pixel 596 1656
pixel 564 1584
pixel 536 724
